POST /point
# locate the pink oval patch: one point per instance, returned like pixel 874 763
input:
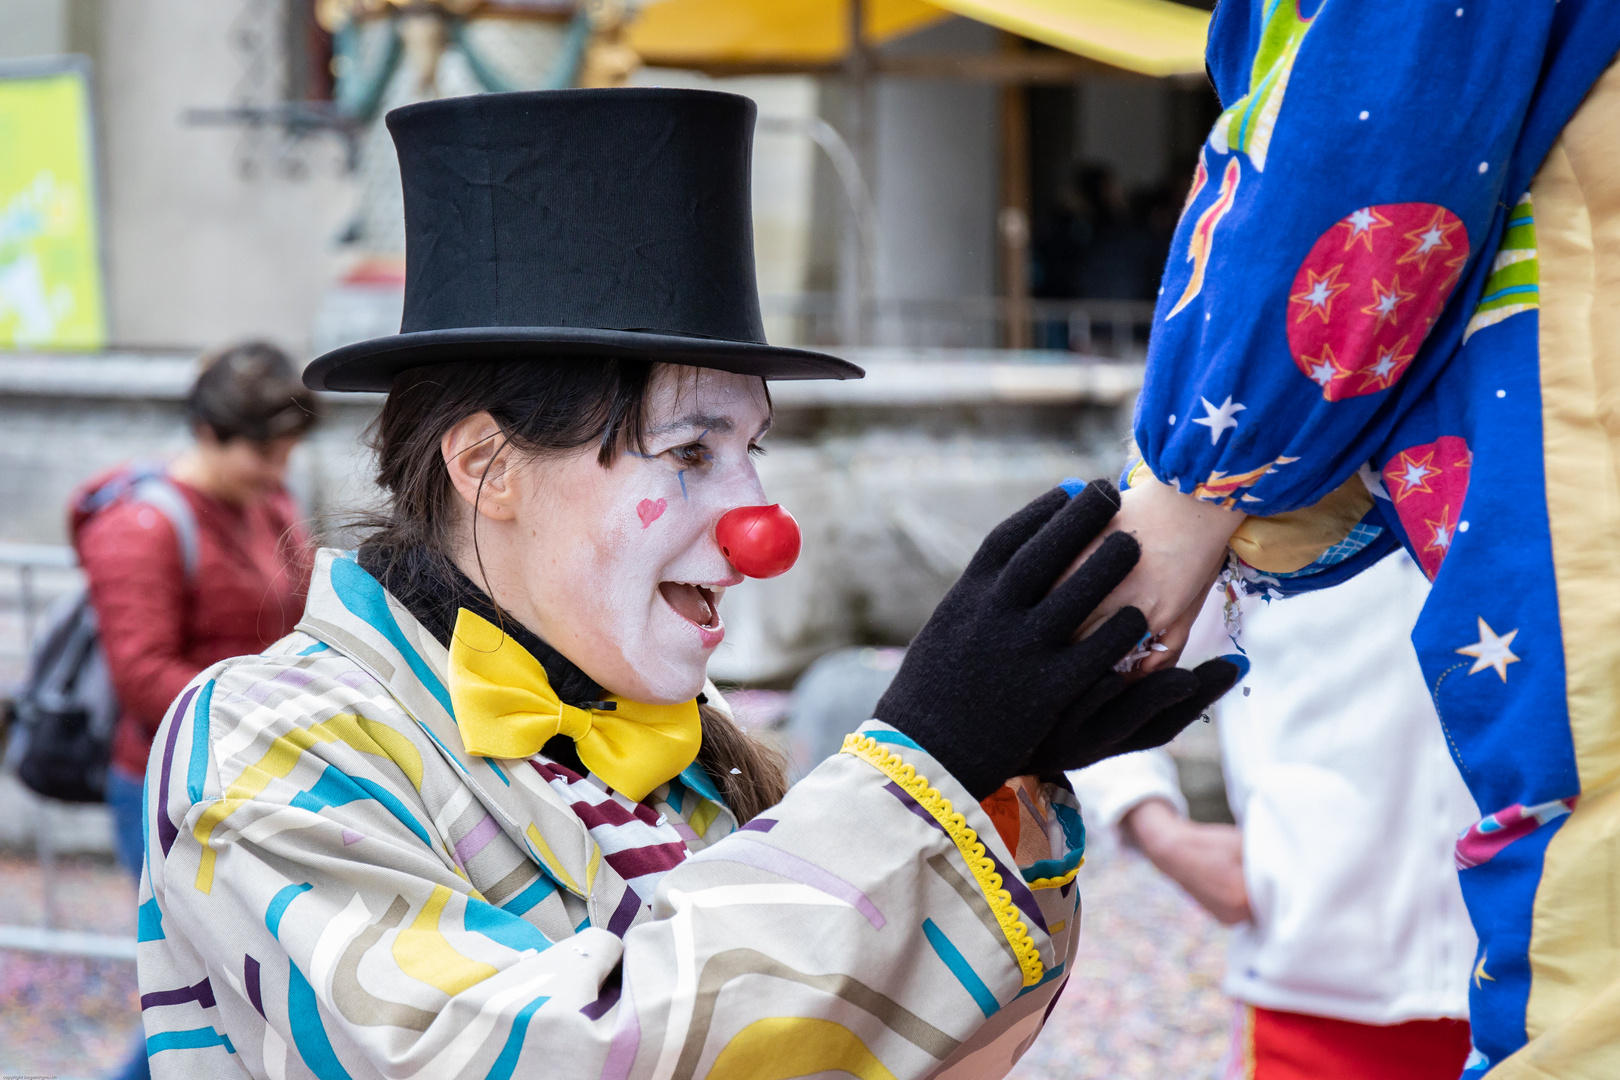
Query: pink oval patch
pixel 650 510
pixel 1367 293
pixel 1428 483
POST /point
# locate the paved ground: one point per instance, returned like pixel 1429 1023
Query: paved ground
pixel 66 1016
pixel 1143 1002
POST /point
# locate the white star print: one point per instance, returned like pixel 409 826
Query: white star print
pixel 1442 535
pixel 1322 373
pixel 1319 294
pixel 1491 651
pixel 1219 417
pixel 1430 240
pixel 1415 474
pixel 1385 365
pixel 1375 484
pixel 1362 219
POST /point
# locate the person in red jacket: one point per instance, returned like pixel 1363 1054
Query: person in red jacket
pixel 161 625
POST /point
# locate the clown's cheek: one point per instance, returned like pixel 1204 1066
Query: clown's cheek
pixel 716 492
pixel 662 532
pixel 649 511
pixel 667 661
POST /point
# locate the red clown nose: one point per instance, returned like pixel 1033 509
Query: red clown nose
pixel 760 541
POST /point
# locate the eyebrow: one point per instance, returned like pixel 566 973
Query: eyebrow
pixel 721 425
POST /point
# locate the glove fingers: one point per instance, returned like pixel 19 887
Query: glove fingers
pixel 1156 731
pixel 1115 727
pixel 1091 702
pixel 1074 745
pixel 1031 573
pixel 1146 699
pixel 1004 541
pixel 1138 718
pixel 1215 678
pixel 1048 756
pixel 1091 657
pixel 1059 615
pixel 1087 665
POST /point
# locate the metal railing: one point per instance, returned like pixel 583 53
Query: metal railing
pixel 26 562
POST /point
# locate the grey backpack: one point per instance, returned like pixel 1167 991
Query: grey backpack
pixel 66 709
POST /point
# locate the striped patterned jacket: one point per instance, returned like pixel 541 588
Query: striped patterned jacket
pixel 335 888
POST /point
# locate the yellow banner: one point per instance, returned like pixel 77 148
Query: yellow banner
pixel 50 250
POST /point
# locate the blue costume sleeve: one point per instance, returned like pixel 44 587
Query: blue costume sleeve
pixel 1330 248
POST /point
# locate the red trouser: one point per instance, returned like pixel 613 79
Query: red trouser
pixel 1273 1045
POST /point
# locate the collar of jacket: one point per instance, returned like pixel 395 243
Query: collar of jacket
pixel 352 613
pixel 434 591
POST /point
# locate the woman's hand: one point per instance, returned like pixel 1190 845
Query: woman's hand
pixel 1183 543
pixel 1206 860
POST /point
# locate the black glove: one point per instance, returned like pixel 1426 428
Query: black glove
pixel 995 667
pixel 1116 716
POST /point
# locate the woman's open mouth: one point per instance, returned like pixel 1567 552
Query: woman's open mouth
pixel 698 605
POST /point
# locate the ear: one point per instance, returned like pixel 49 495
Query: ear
pixel 478 458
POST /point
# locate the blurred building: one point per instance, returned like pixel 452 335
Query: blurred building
pixel 973 208
pixel 208 233
pixel 1000 169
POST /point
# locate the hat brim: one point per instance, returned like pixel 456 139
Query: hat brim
pixel 372 365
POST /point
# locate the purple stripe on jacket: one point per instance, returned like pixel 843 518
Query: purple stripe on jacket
pixel 477 840
pixel 202 993
pixel 167 829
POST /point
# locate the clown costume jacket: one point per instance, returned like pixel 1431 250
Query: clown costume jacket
pixel 1391 315
pixel 336 888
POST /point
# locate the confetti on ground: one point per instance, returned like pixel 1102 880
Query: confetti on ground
pixel 1144 1000
pixel 66 1016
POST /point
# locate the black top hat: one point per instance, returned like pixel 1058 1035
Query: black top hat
pixel 576 223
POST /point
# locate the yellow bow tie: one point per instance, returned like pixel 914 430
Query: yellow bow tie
pixel 505 708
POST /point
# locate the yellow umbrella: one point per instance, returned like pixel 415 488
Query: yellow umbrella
pixel 1149 37
pixel 699 33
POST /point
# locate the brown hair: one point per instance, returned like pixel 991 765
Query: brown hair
pixel 541 407
pixel 250 391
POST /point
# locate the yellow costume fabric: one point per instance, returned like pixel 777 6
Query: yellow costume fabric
pixel 1573 1017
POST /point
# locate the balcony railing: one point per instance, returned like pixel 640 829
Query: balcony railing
pixel 1117 329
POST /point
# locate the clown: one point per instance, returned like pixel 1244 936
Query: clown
pixel 483 815
pixel 1391 323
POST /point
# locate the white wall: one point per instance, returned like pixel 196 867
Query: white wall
pixel 33 28
pixel 199 253
pixel 936 179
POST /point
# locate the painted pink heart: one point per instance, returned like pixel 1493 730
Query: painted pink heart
pixel 650 510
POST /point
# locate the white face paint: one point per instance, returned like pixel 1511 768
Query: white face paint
pixel 617 568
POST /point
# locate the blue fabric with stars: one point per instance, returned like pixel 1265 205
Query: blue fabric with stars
pixel 1384 105
pixel 1443 96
